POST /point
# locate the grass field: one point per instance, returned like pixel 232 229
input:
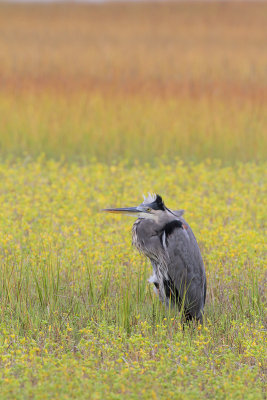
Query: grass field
pixel 134 82
pixel 77 312
pixel 100 104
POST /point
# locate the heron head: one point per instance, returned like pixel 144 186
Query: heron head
pixel 151 207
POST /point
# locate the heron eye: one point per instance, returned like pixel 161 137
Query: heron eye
pixel 148 209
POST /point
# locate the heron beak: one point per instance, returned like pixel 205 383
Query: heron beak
pixel 126 211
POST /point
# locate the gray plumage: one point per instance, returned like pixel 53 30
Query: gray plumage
pixel 168 241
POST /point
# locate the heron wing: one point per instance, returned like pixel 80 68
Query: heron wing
pixel 186 268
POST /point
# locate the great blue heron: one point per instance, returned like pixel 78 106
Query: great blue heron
pixel 168 241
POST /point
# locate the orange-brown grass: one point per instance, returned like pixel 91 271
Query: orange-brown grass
pixel 185 80
pixel 169 48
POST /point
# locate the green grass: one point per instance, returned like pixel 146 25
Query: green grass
pixel 108 129
pixel 78 318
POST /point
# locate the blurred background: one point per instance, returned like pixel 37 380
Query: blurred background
pixel 138 81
